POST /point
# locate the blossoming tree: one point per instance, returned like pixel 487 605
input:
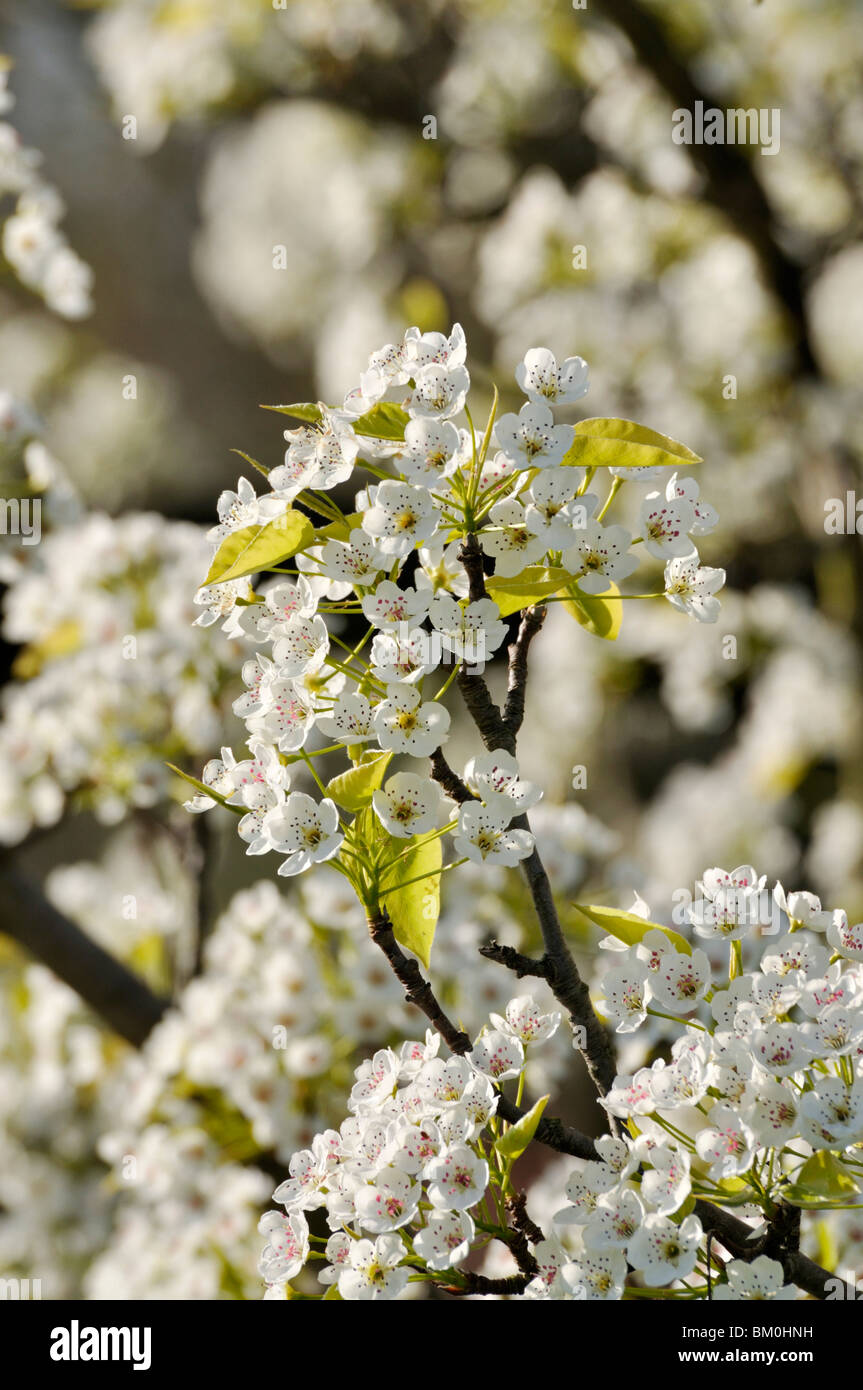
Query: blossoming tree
pixel 461 533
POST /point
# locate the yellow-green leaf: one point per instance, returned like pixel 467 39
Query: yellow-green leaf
pixel 256 548
pixel 600 614
pixel 386 420
pixel 413 907
pixel 332 1294
pixel 822 1181
pixel 338 530
pixel 628 927
pixel 354 789
pixel 531 586
pixel 604 443
pixel 306 411
pixel 516 1139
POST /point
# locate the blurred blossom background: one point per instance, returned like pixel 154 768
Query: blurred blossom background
pixel 508 164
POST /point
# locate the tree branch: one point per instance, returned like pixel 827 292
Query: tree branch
pixel 113 991
pixel 513 710
pixel 519 964
pixel 418 991
pixel 593 1041
pixel 449 780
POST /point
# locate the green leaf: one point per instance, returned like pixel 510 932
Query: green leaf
pixel 338 530
pixel 386 420
pixel 413 908
pixel 304 410
pixel 822 1181
pixel 207 791
pixel 628 927
pixel 602 443
pixel 259 547
pixel 332 1293
pixel 531 586
pixel 516 1139
pixel 354 789
pixel 601 614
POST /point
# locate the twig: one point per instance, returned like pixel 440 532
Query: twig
pixel 567 985
pixel 449 780
pixel 418 991
pixel 517 1208
pixel 513 710
pixel 519 964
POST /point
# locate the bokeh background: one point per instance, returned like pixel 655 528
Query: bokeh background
pixel 718 297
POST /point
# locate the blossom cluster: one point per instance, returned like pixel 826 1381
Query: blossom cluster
pixel 396 563
pixel 101 607
pixel 33 242
pixel 762 1098
pixel 760 1102
pixel 403 1180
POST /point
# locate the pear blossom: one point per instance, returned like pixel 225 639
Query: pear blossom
pixel 357 561
pixel 349 720
pixel 662 1251
pixel 705 516
pixel 445 1240
pixel 597 1276
pixel 543 380
pixel 483 835
pixel 403 724
pixel 755 1280
pixel 433 451
pixel 526 1020
pixel 287 1248
pixel 497 1054
pixel 389 606
pixel 410 805
pixel 439 391
pixel 511 542
pixel 599 556
pixel 304 830
pixel 531 439
pixel 399 517
pixel 726 1145
pixel 471 633
pixel 493 777
pixel 374 1270
pixel 681 981
pixel 664 526
pixel 388 1201
pixel 457 1179
pixel 691 586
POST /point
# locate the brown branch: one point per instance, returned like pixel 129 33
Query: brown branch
pixel 478 1283
pixel 513 710
pixel 417 989
pixel 517 1210
pixel 779 1241
pixel 519 964
pixel 449 780
pixel 551 1132
pixel 567 985
pixel 113 991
